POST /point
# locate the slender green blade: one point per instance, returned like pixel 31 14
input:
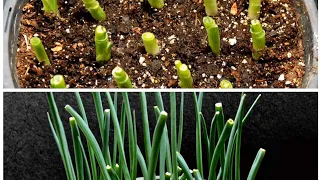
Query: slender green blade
pixel 173 134
pixel 61 135
pixel 181 121
pixel 132 144
pixel 145 124
pixel 198 136
pixel 115 120
pixel 90 138
pixel 77 149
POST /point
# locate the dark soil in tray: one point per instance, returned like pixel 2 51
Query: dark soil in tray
pixel 178 27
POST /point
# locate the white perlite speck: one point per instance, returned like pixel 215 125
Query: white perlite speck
pixel 68 31
pixel 219 76
pixel 289 55
pixel 232 41
pixel 141 60
pixel 281 77
pixel 171 37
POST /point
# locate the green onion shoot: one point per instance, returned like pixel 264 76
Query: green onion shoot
pixel 121 77
pixel 225 84
pixel 95 9
pixel 254 9
pixel 184 74
pixel 38 48
pixel 256 164
pixel 258 39
pixel 58 82
pixel 103 46
pixel 211 7
pixel 50 6
pixel 158 4
pixel 213 34
pixel 150 43
pixel 96 163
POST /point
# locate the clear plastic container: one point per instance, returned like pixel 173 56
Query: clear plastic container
pixel 307 8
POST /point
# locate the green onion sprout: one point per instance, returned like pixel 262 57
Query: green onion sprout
pixel 95 9
pixel 102 166
pixel 184 74
pixel 196 174
pixel 211 7
pixel 38 48
pixel 103 46
pixel 50 6
pixel 258 39
pixel 150 43
pixel 219 148
pixel 213 34
pixel 121 77
pixel 167 176
pixel 156 145
pixel 158 4
pixel 254 9
pixel 184 166
pixel 256 164
pixel 57 81
pixel 225 84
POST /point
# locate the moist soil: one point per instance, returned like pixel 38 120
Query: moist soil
pixel 69 42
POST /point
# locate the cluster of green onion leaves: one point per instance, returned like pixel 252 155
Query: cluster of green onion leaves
pixel 99 162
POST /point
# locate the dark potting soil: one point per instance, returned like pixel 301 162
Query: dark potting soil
pixel 69 41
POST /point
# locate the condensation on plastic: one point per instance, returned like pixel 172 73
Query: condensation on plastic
pixel 307 9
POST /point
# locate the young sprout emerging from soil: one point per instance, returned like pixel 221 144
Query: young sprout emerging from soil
pixel 58 82
pixel 184 74
pixel 38 48
pixel 211 7
pixel 225 84
pixel 150 43
pixel 121 77
pixel 103 46
pixel 156 3
pixel 50 6
pixel 213 34
pixel 258 39
pixel 95 9
pixel 254 9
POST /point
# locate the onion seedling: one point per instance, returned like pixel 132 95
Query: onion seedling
pixel 150 43
pixel 105 167
pixel 58 82
pixel 258 39
pixel 156 145
pixel 95 9
pixel 213 34
pixel 211 7
pixel 219 148
pixel 38 48
pixel 50 6
pixel 121 77
pixel 184 166
pixel 158 4
pixel 167 176
pixel 225 84
pixel 256 164
pixel 254 9
pixel 196 174
pixel 184 74
pixel 103 46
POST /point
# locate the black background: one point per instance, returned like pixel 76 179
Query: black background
pixel 285 124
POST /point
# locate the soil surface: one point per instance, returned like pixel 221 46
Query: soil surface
pixel 69 41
